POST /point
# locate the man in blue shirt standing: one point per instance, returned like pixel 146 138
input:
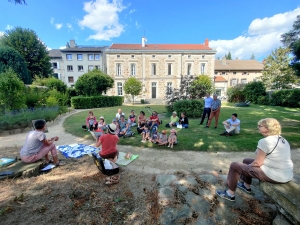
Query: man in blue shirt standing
pixel 231 125
pixel 206 111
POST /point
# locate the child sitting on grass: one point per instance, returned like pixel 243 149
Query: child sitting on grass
pixel 172 138
pixel 145 134
pixel 154 137
pixel 163 138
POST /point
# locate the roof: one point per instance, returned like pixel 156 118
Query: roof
pixel 237 64
pixel 85 49
pixel 55 53
pixel 159 47
pixel 220 79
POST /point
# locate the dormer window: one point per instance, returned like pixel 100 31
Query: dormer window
pixel 118 56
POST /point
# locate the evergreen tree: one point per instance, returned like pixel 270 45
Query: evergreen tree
pixel 252 57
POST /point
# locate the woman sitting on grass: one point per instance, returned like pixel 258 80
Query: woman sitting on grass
pixel 172 138
pixel 272 163
pixel 142 120
pixel 173 120
pixel 183 121
pixel 108 143
pixel 163 138
pixel 90 122
pixel 37 146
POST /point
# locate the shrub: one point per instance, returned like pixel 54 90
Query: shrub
pixel 82 102
pixel 33 95
pixel 142 101
pixel 254 90
pixel 288 98
pixel 51 83
pixel 192 108
pixel 61 98
pixel 51 101
pixel 235 94
pixel 263 100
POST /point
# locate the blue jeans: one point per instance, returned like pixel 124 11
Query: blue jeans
pixel 183 125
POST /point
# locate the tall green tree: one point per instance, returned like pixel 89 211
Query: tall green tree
pixel 11 90
pixel 252 57
pixel 228 56
pixel 33 50
pixel 201 85
pixel 93 83
pixel 291 40
pixel 11 58
pixel 133 87
pixel 277 73
pixel 254 90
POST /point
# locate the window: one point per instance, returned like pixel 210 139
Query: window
pixel 244 81
pixel 153 68
pixel 97 67
pixel 71 79
pixel 118 56
pixel 56 75
pixel 97 57
pixel 79 56
pixel 169 88
pixel 132 68
pixel 169 68
pixel 153 56
pixel 216 73
pixel 203 56
pixel 54 65
pixel 69 56
pixel 189 68
pixel 234 73
pixel 132 56
pixel 91 56
pixel 202 68
pixel 120 88
pixel 69 68
pixel 245 73
pixel 169 56
pixel 233 82
pixel 223 73
pixel 80 68
pixel 119 72
pixel 189 56
pixel 91 68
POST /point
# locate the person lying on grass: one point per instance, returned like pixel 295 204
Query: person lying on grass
pixel 272 163
pixel 37 146
pixel 108 143
pixel 163 138
pixel 172 138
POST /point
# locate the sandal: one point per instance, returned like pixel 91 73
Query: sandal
pixel 117 177
pixel 111 182
pixel 60 163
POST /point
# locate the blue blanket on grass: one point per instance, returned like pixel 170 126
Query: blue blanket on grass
pixel 76 150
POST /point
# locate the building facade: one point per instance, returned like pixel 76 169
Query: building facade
pixel 228 73
pixel 57 63
pixel 158 66
pixel 78 60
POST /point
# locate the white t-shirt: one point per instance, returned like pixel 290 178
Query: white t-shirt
pixel 118 115
pixel 278 165
pixel 237 121
pixel 207 102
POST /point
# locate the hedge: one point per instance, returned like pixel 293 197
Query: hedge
pixel 192 108
pixel 82 102
pixel 287 98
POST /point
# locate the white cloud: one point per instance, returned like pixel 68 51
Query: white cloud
pixel 102 17
pixel 137 25
pixel 261 38
pixel 132 11
pixel 8 27
pixel 52 20
pixel 69 26
pixel 58 25
pixel 62 47
pixel 49 48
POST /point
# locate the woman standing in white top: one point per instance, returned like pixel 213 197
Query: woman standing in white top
pixel 272 163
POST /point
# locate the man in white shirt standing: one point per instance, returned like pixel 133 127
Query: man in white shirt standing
pixel 231 125
pixel 207 105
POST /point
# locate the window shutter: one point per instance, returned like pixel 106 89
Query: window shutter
pixel 57 65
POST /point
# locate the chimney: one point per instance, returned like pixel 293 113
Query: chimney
pixel 143 41
pixel 206 42
pixel 72 44
pixel 224 60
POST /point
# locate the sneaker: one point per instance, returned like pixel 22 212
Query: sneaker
pixel 93 134
pixel 224 133
pixel 223 194
pixel 243 187
pixel 143 141
pixel 206 127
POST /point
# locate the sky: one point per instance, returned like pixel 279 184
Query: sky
pixel 241 27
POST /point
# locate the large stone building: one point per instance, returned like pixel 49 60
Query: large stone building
pixel 231 72
pixel 158 66
pixel 75 60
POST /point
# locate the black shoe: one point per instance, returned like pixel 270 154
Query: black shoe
pixel 224 133
pixel 206 127
pixel 200 123
pixel 216 127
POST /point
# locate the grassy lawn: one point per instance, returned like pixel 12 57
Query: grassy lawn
pixel 196 137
